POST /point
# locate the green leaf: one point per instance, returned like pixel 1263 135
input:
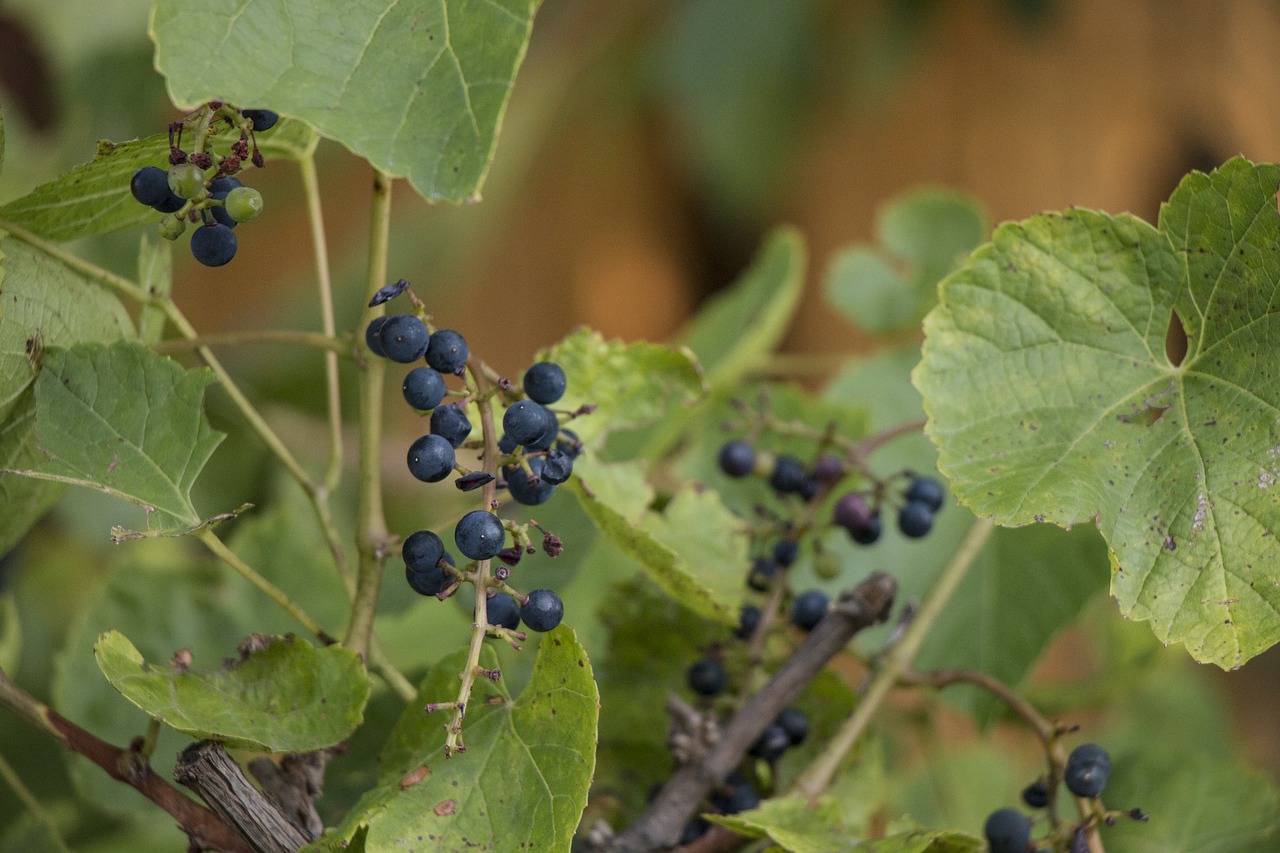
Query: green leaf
pixel 696 550
pixel 738 329
pixel 417 87
pixel 10 633
pixel 286 697
pixel 793 823
pixel 42 304
pixel 94 198
pixel 1051 397
pixel 125 421
pixel 521 784
pixel 155 276
pixel 629 384
pixel 922 841
pixel 924 234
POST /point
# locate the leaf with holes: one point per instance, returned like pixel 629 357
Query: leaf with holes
pixel 418 87
pixel 1051 398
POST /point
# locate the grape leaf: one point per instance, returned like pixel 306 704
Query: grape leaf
pixel 94 198
pixel 794 823
pixel 127 422
pixel 922 841
pixel 42 303
pixel 1051 398
pixel 629 384
pixel 522 783
pixel 416 86
pixel 286 697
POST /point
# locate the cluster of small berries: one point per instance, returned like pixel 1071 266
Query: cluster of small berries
pixel 200 187
pixel 536 455
pixel 1088 766
pixel 858 512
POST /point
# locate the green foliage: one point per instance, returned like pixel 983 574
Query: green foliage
pixel 794 824
pixel 528 760
pixel 1052 398
pixel 99 431
pixel 284 697
pixel 418 88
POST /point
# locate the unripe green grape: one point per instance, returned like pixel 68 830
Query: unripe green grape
pixel 171 227
pixel 243 204
pixel 186 180
pixel 826 565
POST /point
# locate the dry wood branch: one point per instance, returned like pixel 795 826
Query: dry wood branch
pixel 207 769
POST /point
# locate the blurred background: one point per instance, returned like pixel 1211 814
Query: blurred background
pixel 650 145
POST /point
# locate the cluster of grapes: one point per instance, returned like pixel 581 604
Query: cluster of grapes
pixel 1088 766
pixel 200 187
pixel 536 456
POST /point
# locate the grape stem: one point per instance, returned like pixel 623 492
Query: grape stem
pixel 333 346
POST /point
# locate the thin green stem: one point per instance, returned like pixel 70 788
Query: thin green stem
pixel 279 596
pixel 315 218
pixel 371 524
pixel 118 283
pixel 817 777
pixel 332 346
pixel 381 664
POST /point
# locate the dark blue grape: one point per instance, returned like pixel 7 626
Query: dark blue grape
pixel 737 459
pixel 525 421
pixel 549 435
pixel 854 514
pixel 371 339
pixel 748 621
pixel 707 677
pixel 423 389
pixel 567 442
pixel 544 382
pixel 422 550
pixel 213 245
pixel 524 492
pixel 737 796
pixel 451 423
pixel 150 185
pixel 219 211
pixel 403 338
pixel 927 491
pixel 794 722
pixel 785 552
pixel 172 203
pixel 543 611
pixel 788 474
pixel 1088 767
pixel 426 581
pixel 262 119
pixel 1008 831
pixel 447 351
pixel 479 534
pixel 827 469
pixel 503 610
pixel 763 571
pixel 225 184
pixel 915 519
pixel 808 609
pixel 389 292
pixel 773 741
pixel 557 467
pixel 507 444
pixel 1036 794
pixel 431 458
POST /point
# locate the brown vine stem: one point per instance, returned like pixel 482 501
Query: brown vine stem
pixel 331 345
pixel 817 777
pixel 1045 729
pixel 202 826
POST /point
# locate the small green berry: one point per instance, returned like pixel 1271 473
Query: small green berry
pixel 171 227
pixel 186 180
pixel 243 204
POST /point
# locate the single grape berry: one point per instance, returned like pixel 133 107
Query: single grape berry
pixel 852 510
pixel 503 610
pixel 915 519
pixel 403 338
pixel 743 798
pixel 225 184
pixel 549 435
pixel 186 180
pixel 213 245
pixel 763 571
pixel 544 382
pixel 773 741
pixel 426 581
pixel 748 621
pixel 150 185
pixel 707 677
pixel 1088 767
pixel 1008 831
pixel 243 204
pixel 431 459
pixel 172 203
pixel 219 211
pixel 479 534
pixel 525 421
pixel 788 474
pixel 826 565
pixel 506 444
pixel 827 469
pixel 1036 795
pixel 543 611
pixel 737 459
pixel 172 227
pixel 423 389
pixel 422 550
pixel 262 119
pixel 371 336
pixel 785 552
pixel 447 351
pixel 808 609
pixel 523 490
pixel 557 467
pixel 927 490
pixel 794 722
pixel 451 423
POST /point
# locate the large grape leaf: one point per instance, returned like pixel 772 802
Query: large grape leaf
pixel 94 198
pixel 1051 398
pixel 285 697
pixel 127 422
pixel 522 783
pixel 42 304
pixel 416 86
